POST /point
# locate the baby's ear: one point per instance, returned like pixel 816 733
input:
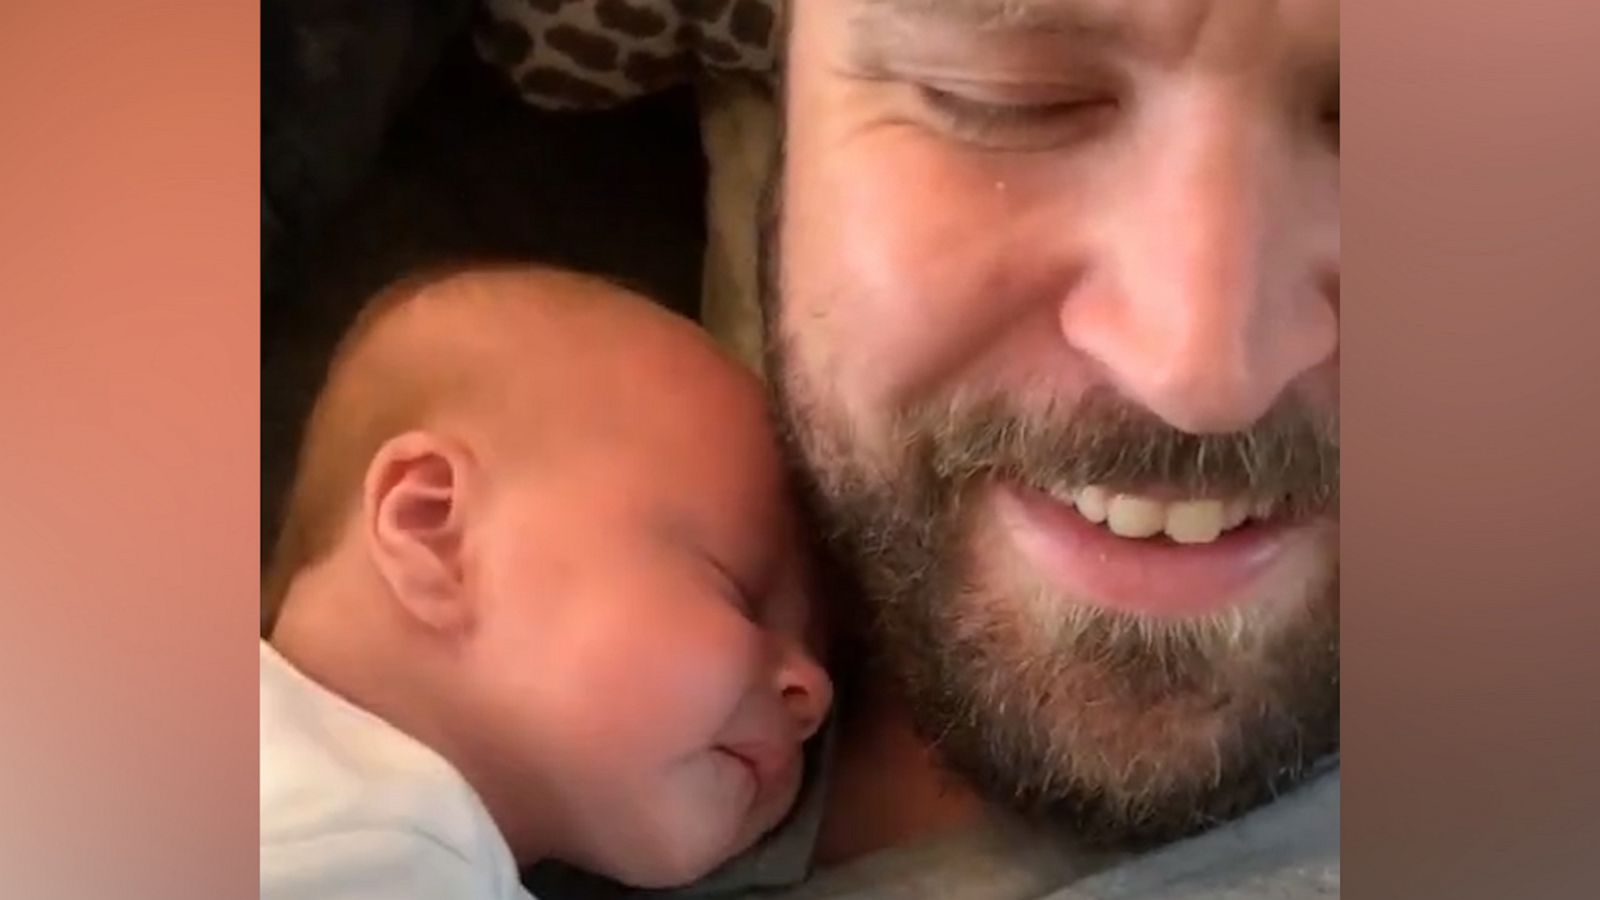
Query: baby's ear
pixel 413 507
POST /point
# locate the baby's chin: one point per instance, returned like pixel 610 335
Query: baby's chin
pixel 690 838
pixel 684 865
pixel 770 809
pixel 719 829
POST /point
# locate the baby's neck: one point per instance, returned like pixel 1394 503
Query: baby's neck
pixel 336 641
pixel 343 640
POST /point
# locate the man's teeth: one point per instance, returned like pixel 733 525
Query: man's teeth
pixel 1236 511
pixel 1135 517
pixel 1194 521
pixel 1183 521
pixel 1093 503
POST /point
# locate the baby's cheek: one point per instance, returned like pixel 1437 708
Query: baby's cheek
pixel 693 677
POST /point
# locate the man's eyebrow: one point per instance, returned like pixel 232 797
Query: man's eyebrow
pixel 1080 19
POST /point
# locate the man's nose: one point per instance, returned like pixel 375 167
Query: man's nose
pixel 804 687
pixel 1215 285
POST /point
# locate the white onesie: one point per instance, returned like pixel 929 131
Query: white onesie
pixel 353 809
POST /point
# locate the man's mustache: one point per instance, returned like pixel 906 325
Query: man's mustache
pixel 1290 456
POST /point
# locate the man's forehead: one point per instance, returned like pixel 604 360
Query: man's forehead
pixel 1073 15
pixel 1159 26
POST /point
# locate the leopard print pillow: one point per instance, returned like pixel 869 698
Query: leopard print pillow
pixel 591 54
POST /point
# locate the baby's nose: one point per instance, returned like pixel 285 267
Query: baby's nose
pixel 805 688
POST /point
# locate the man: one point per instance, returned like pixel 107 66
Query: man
pixel 1053 318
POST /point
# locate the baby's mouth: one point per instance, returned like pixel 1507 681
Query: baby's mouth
pixel 765 762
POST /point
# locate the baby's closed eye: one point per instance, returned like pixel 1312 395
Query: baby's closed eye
pixel 731 588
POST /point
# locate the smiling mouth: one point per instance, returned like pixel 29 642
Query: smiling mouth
pixel 1188 521
pixel 765 763
pixel 1153 555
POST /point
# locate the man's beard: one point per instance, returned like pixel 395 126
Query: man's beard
pixel 1128 727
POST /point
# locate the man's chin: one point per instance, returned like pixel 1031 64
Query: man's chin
pixel 1128 728
pixel 1048 680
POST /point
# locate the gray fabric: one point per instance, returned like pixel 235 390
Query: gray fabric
pixel 1003 859
pixel 1288 850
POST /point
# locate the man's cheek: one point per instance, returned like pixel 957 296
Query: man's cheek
pixel 898 278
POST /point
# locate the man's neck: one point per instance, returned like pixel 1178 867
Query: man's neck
pixel 887 787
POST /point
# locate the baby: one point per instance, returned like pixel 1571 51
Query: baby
pixel 540 595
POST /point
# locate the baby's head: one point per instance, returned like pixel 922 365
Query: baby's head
pixel 543 525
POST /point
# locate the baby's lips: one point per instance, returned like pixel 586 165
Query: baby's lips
pixel 769 760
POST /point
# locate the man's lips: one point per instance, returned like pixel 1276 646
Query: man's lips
pixel 1153 573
